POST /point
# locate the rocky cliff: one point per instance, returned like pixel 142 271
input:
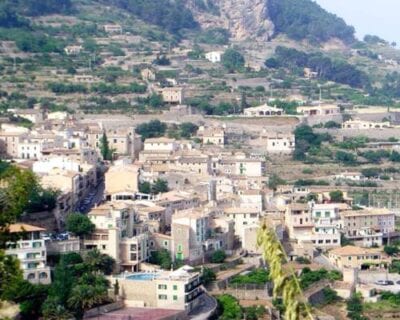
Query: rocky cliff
pixel 245 19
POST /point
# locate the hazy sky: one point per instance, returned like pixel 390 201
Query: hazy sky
pixel 378 17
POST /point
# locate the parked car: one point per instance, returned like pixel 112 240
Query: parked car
pixel 385 282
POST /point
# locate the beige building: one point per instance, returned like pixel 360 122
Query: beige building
pixel 356 222
pixel 172 95
pixel 121 182
pixel 358 258
pixel 319 110
pixel 120 234
pixel 34 115
pixel 189 231
pixel 299 222
pixel 148 74
pixel 178 290
pixel 31 251
pixel 9 143
pixel 212 135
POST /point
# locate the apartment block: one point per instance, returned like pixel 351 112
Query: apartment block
pixel 31 252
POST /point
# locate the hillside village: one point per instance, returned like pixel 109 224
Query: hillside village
pixel 171 174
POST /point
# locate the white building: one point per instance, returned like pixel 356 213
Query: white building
pixel 319 110
pixel 72 50
pixel 243 217
pixel 112 28
pixel 214 56
pixel 161 144
pixel 278 143
pixel 263 111
pixel 358 124
pixel 178 290
pixel 31 252
pixel 326 225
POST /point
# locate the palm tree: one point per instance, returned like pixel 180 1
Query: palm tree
pixel 84 297
pixel 98 261
pixel 286 284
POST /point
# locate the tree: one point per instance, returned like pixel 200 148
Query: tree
pixel 105 150
pixel 97 261
pixel 187 129
pixel 84 297
pixel 218 256
pixel 336 196
pixel 152 129
pixel 231 309
pixel 161 258
pixel 156 100
pixel 159 186
pixel 10 272
pixel 30 297
pixel 79 224
pixel 355 308
pixel 391 250
pixel 232 60
pixel 345 157
pixel 208 276
pixel 145 187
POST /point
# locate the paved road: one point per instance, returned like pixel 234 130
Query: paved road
pixel 323 260
pixel 205 309
pixel 98 198
pixel 370 277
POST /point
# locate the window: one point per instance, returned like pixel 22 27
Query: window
pixel 162 286
pixel 318 214
pixel 162 297
pixel 175 287
pixel 175 298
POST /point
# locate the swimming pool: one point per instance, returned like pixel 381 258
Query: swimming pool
pixel 142 276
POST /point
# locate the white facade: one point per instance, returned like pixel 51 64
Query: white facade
pixel 326 225
pixel 31 252
pixel 262 111
pixel 279 143
pixel 243 217
pixel 161 144
pixel 214 56
pixel 45 166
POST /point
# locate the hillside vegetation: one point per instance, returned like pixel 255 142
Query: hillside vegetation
pixel 305 19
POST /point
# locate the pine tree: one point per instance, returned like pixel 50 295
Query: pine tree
pixel 105 150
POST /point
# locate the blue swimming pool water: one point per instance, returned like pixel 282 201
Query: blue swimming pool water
pixel 142 276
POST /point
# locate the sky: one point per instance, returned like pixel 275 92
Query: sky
pixel 377 17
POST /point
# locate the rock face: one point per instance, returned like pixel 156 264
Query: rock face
pixel 245 19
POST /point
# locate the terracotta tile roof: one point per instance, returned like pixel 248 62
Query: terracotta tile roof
pixel 23 227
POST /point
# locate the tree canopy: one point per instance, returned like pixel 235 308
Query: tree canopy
pixel 305 19
pixel 336 70
pixel 232 60
pixel 79 224
pixel 170 15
